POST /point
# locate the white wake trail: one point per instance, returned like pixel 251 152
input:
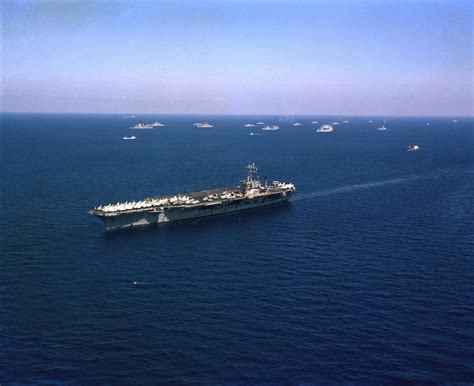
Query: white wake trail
pixel 376 184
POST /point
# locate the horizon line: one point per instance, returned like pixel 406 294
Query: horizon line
pixel 239 114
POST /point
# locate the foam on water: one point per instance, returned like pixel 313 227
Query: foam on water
pixel 443 173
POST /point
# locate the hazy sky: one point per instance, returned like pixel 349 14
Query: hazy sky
pixel 231 57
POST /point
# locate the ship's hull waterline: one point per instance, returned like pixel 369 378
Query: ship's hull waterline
pixel 165 215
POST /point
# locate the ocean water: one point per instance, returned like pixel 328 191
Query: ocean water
pixel 366 277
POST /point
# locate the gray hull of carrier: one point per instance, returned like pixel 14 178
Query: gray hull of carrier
pixel 249 195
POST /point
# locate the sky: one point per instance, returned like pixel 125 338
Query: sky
pixel 349 57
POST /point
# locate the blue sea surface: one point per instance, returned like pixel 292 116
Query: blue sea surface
pixel 365 277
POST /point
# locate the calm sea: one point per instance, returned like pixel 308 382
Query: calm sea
pixel 366 277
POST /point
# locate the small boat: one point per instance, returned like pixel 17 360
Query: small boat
pixel 252 133
pixel 128 116
pixel 249 125
pixel 260 123
pixel 455 121
pixel 132 137
pixel 141 125
pixel 326 128
pixel 204 125
pixel 335 123
pixel 296 124
pixel 382 128
pixel 370 120
pixel 271 128
pixel 315 122
pixel 157 124
pixel 345 122
pixel 413 148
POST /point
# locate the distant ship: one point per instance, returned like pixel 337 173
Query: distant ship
pixel 370 120
pixel 132 137
pixel 382 128
pixel 203 125
pixel 413 148
pixel 128 116
pixel 248 195
pixel 315 122
pixel 345 122
pixel 326 128
pixel 249 125
pixel 335 123
pixel 296 124
pixel 271 128
pixel 142 125
pixel 455 120
pixel 157 124
pixel 260 123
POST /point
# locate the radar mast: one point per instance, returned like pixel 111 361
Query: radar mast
pixel 251 170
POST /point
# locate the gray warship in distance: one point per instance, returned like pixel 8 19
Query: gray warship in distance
pixel 249 194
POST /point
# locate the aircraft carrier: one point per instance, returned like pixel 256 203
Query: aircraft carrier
pixel 251 193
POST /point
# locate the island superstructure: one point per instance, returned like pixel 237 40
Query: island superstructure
pixel 251 193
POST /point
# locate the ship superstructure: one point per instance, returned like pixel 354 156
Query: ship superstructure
pixel 326 128
pixel 271 128
pixel 251 193
pixel 141 126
